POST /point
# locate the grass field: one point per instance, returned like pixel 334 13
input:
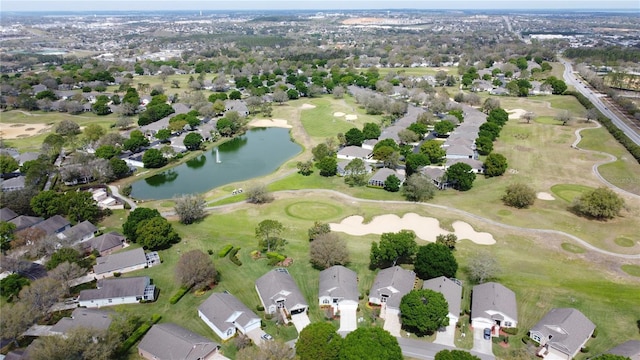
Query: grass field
pixel 569 192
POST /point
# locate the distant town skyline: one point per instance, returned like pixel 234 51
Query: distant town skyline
pixel 138 5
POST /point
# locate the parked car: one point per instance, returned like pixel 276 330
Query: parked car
pixel 487 333
pixel 266 337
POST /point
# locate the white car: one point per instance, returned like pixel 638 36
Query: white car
pixel 266 337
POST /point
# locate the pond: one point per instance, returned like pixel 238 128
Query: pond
pixel 257 153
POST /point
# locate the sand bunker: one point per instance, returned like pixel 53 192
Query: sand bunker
pixel 545 196
pixel 351 117
pixel 307 106
pixel 338 114
pixel 15 131
pixel 270 123
pixel 515 114
pixel 426 228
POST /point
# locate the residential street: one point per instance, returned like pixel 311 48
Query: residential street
pixel 424 350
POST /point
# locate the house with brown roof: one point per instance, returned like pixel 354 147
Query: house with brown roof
pixel 226 315
pixel 172 342
pixel 118 291
pixel 562 332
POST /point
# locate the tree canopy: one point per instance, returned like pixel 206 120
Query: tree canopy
pixel 495 165
pixel 393 249
pixel 434 260
pixel 371 343
pixel 195 270
pixel 319 341
pixel 424 311
pixel 519 196
pixel 461 175
pixel 190 208
pixel 328 249
pixel 601 203
pixel 268 232
pixel 455 355
pixel 354 137
pixel 135 217
pixel 419 188
pixel 153 158
pixel 156 234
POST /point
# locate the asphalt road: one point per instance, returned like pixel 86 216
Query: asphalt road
pixel 425 350
pixel 633 132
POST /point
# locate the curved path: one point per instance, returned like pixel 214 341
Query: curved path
pixel 595 166
pixel 114 191
pixel 451 209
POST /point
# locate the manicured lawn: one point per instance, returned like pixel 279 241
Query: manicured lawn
pixel 633 270
pixel 572 248
pixel 569 192
pixel 625 241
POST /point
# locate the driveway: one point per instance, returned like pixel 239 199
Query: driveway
pixel 256 336
pixel 479 343
pixel 348 318
pixel 446 336
pixel 392 323
pixel 300 321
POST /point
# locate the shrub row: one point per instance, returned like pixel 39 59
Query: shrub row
pixel 138 333
pixel 233 256
pixel 225 250
pixel 275 257
pixel 510 331
pixel 618 134
pixel 178 295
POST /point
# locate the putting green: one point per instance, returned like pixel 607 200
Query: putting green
pixel 310 210
pixel 568 192
pixel 633 270
pixel 504 212
pixel 624 241
pixel 572 248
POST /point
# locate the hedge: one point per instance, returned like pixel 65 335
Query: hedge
pixel 618 134
pixel 233 256
pixel 178 295
pixel 510 331
pixel 275 257
pixel 225 250
pixel 138 333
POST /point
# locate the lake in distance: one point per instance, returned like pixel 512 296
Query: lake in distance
pixel 258 152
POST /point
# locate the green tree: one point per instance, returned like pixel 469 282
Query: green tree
pixel 136 141
pixel 498 116
pixel 119 168
pixel 424 311
pixel 268 232
pixel 8 164
pixel 7 234
pixel 79 206
pixel 305 168
pixel 558 86
pixel 11 285
pixel 601 203
pixel 318 229
pixel 415 161
pixel 519 196
pixel 449 240
pixel 258 194
pixel 47 203
pixel 484 145
pixel 419 188
pixel 153 159
pixel 394 249
pixel 490 130
pixel 455 355
pixel 67 127
pixel 371 131
pixel 392 183
pixel 371 343
pixel 319 341
pixel 135 218
pixel 328 166
pixel 354 137
pixel 461 175
pixel 321 151
pixel 64 254
pixel 443 127
pixel 435 260
pixel 495 165
pixel 355 173
pixel 163 135
pixel 433 149
pixel 293 94
pixel 107 151
pixel 193 141
pixel 156 234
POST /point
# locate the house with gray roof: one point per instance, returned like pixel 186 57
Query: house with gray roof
pixel 389 286
pixel 630 349
pixel 118 291
pixel 27 156
pixel 7 214
pixel 342 168
pixel 562 332
pixel 236 105
pixel 452 292
pixel 23 221
pixel 105 244
pixel 381 176
pixel 169 341
pixel 460 152
pixel 437 175
pixel 278 290
pixel 12 184
pixel 492 304
pixel 79 233
pixel 226 315
pixel 82 318
pixel 53 225
pixel 338 288
pixel 354 152
pixel 477 166
pixel 122 262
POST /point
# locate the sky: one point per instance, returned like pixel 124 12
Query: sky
pixel 94 5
